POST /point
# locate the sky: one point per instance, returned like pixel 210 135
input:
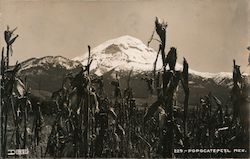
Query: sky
pixel 209 33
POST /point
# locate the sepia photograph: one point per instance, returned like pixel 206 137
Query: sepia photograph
pixel 124 78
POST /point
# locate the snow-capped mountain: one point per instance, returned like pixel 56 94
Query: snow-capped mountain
pixel 126 52
pixel 119 55
pixel 122 54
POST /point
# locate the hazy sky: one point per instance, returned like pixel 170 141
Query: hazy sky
pixel 209 33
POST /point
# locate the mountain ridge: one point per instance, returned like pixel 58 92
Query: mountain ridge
pixel 119 55
pixel 122 46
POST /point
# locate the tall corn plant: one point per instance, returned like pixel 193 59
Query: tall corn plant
pixel 239 96
pixel 170 81
pixel 6 83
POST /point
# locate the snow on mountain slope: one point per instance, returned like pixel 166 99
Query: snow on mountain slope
pixel 126 52
pixel 46 74
pixel 49 61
